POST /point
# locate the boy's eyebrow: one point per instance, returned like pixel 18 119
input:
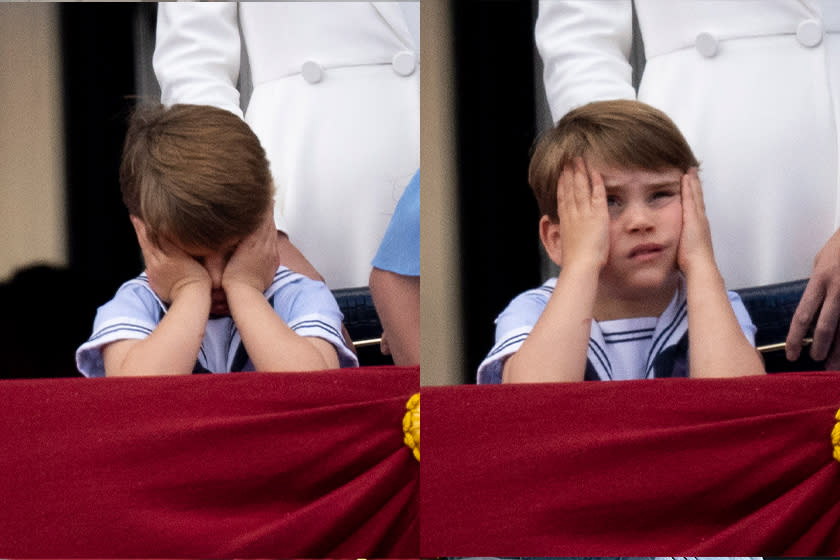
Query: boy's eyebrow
pixel 652 185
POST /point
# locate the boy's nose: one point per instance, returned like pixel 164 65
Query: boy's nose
pixel 639 218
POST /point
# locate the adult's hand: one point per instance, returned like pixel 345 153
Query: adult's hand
pixel 822 295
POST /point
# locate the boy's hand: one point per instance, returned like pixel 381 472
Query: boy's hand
pixel 170 270
pixel 696 238
pixel 255 260
pixel 584 219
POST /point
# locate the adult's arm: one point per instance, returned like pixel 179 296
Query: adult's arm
pixel 397 301
pixel 291 257
pixel 197 54
pixel 585 49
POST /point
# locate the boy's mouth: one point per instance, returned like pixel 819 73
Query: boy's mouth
pixel 646 251
pixel 218 303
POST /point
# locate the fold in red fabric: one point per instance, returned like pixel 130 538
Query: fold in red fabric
pixel 668 467
pixel 239 465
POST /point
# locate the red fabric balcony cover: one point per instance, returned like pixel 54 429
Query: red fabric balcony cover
pixel 636 468
pixel 213 466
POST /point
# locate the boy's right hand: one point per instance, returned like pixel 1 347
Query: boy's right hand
pixel 169 268
pixel 584 219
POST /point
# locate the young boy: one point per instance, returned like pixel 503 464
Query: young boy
pixel 622 213
pixel 213 297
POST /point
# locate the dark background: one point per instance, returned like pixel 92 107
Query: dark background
pixel 48 310
pixel 495 128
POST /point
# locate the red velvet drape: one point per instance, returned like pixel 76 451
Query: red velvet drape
pixel 664 467
pixel 214 466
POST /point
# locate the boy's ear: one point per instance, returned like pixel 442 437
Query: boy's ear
pixel 137 223
pixel 550 237
pixel 139 230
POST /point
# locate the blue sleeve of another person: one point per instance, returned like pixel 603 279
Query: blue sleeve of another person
pixel 399 251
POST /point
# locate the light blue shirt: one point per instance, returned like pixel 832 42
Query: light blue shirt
pixel 308 308
pixel 607 347
pixel 399 251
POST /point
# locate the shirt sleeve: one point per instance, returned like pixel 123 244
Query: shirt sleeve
pixel 585 49
pixel 133 313
pixel 743 316
pixel 309 308
pixel 512 328
pixel 399 251
pixel 197 54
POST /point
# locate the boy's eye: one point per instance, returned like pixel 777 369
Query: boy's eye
pixel 659 195
pixel 612 200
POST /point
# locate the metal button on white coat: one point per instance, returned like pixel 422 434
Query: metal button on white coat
pixel 809 33
pixel 312 72
pixel 404 63
pixel 706 44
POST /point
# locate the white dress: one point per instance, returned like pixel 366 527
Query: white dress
pixel 335 103
pixel 754 85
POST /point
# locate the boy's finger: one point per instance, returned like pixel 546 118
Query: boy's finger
pixel 687 193
pixel 269 228
pixel 563 188
pixel 582 190
pixel 599 191
pixel 278 251
pixel 264 227
pixel 697 189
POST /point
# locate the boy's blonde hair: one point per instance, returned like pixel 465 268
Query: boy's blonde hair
pixel 194 174
pixel 620 133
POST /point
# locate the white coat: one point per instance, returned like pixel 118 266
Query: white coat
pixel 335 103
pixel 754 86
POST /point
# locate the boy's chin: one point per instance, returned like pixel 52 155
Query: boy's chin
pixel 652 280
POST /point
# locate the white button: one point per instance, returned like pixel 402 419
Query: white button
pixel 404 63
pixel 312 72
pixel 810 33
pixel 706 44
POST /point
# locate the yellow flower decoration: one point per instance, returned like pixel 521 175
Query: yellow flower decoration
pixel 835 436
pixel 411 425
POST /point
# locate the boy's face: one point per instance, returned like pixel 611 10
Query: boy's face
pixel 214 261
pixel 645 209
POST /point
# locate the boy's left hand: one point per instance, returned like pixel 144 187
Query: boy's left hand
pixel 255 260
pixel 696 237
